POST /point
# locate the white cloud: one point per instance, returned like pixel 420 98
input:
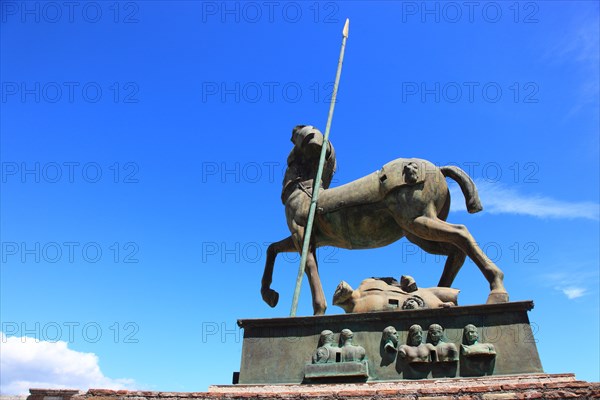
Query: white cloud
pixel 572 283
pixel 27 363
pixel 499 199
pixel 579 45
pixel 573 292
pixel 580 42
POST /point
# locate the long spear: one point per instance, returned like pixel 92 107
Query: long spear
pixel 317 181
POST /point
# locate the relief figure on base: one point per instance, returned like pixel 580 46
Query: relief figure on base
pixel 327 351
pixel 415 351
pixel 472 347
pixel 443 352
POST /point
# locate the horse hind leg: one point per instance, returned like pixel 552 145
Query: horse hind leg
pixel 454 262
pixel 270 296
pixel 434 229
pixel 455 256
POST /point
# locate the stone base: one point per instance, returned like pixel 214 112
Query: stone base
pixel 353 371
pixel 530 386
pixel 276 351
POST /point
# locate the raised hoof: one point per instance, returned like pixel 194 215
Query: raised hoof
pixel 497 297
pixel 270 297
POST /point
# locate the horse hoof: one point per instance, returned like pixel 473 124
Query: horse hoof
pixel 270 297
pixel 497 297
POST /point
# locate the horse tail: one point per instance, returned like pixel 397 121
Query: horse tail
pixel 466 185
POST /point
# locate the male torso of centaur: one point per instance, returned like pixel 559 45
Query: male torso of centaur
pixel 302 169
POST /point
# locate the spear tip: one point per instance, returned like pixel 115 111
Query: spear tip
pixel 346 26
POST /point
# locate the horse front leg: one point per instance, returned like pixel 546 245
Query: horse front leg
pixel 270 296
pixel 316 288
pixel 311 269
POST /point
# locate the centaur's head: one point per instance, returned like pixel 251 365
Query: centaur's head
pixel 308 142
pixel 307 139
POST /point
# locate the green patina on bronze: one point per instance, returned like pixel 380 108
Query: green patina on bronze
pixel 278 350
pixel 346 371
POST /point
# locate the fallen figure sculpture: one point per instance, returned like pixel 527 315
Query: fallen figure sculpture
pixel 387 294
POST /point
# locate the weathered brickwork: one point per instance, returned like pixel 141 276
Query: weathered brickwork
pixel 531 386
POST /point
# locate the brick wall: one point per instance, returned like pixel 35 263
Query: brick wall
pixel 531 386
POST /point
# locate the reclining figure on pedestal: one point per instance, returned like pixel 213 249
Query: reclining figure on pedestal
pixel 386 294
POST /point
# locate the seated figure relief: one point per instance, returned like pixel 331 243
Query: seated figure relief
pixel 350 352
pixel 328 352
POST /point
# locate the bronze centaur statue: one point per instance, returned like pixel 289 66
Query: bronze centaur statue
pixel 407 197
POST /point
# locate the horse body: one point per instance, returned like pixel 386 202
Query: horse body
pixel 407 197
pixel 357 227
pixel 360 214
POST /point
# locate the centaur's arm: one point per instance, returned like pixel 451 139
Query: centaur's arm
pixel 329 167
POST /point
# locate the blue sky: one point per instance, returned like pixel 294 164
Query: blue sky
pixel 143 146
